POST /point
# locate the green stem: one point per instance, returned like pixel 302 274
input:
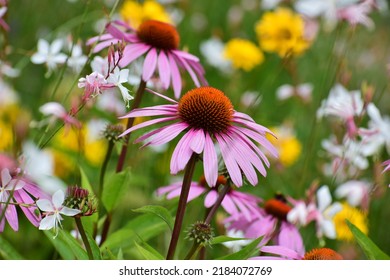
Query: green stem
pixel 80 227
pixel 216 205
pixel 194 250
pixel 189 171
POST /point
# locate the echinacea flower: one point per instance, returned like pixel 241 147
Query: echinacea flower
pixel 53 210
pixel 284 253
pixel 50 54
pixel 207 116
pixel 159 42
pixel 21 192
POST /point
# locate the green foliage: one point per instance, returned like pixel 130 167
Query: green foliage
pixel 245 253
pixel 115 186
pixel 7 251
pixel 159 211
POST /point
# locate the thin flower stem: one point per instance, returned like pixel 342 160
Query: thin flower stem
pixel 202 252
pixel 189 171
pixel 194 250
pixel 106 227
pixel 221 196
pixel 80 227
pixel 130 122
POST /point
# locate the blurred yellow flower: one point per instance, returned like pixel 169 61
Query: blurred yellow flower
pixel 6 136
pixel 243 54
pixel 64 165
pixel 355 216
pixel 287 144
pixel 135 13
pixel 283 32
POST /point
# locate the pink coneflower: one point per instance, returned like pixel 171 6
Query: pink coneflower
pixel 207 116
pixel 283 253
pixel 159 42
pixel 24 194
pixel 234 202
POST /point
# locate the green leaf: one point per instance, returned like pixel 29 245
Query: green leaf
pixel 7 251
pixel 114 189
pixel 67 246
pixel 148 251
pixel 223 238
pixel 147 226
pixel 245 252
pixel 371 250
pixel 85 183
pixel 94 247
pixel 159 211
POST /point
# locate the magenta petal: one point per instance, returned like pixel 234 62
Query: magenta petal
pixel 210 161
pixel 176 78
pixel 229 206
pixel 150 64
pixel 104 44
pixel 290 237
pixel 199 72
pixel 164 70
pixel 181 155
pixel 115 32
pixel 210 198
pixel 153 111
pixel 29 212
pixel 282 251
pixel 243 209
pixel 12 217
pixel 198 140
pixel 132 52
pixel 147 123
pixel 231 164
pixel 189 70
pixel 168 133
pixel 195 191
pixel 185 55
pixel 163 190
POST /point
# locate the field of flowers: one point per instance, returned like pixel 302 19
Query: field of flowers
pixel 178 129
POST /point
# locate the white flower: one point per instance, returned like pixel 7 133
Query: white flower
pixel 100 65
pixel 111 103
pixel 117 78
pixel 269 4
pixel 301 214
pixel 355 192
pixel 325 213
pixel 212 50
pixel 49 54
pixel 53 210
pixel 7 70
pixel 7 94
pixel 77 60
pixel 251 99
pixel 303 91
pixel 236 245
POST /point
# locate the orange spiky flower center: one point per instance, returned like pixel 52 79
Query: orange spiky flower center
pixel 322 254
pixel 277 208
pixel 159 34
pixel 221 180
pixel 206 108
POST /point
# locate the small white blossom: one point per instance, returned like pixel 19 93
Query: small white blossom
pixel 50 54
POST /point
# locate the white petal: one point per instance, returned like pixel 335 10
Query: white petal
pixel 53 108
pixel 45 205
pixel 328 229
pixel 43 47
pixel 5 177
pixel 69 212
pixel 56 46
pixel 38 58
pixel 47 223
pixel 58 198
pixel 284 92
pixel 323 198
pixel 15 184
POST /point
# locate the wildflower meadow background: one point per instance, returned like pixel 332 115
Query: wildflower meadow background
pixel 235 129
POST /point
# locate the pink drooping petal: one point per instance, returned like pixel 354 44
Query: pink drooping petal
pixel 195 191
pixel 167 134
pixel 199 71
pixel 123 24
pixel 282 251
pixel 210 198
pixel 161 95
pixel 164 70
pixel 185 55
pixel 181 155
pixel 248 121
pixel 228 205
pixel 243 209
pixel 147 123
pixel 95 39
pixel 150 64
pixel 231 164
pixel 210 161
pixel 31 212
pixel 12 217
pixel 198 140
pixel 132 52
pixel 116 32
pixel 164 190
pixel 189 70
pixel 152 111
pixel 176 78
pixel 290 237
pixel 105 44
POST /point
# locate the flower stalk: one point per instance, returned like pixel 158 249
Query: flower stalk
pixel 81 230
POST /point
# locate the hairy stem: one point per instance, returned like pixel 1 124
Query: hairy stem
pixel 189 171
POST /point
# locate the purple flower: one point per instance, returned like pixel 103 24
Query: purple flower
pixel 159 42
pixel 207 116
pixel 23 193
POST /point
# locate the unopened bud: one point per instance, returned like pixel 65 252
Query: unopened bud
pixel 201 233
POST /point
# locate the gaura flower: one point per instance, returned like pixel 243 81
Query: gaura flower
pixel 23 193
pixel 3 24
pixel 56 111
pixel 243 54
pixel 53 211
pixel 134 13
pixel 355 216
pixel 50 54
pixel 283 32
pixel 160 42
pixel 303 91
pixel 207 116
pixel 355 192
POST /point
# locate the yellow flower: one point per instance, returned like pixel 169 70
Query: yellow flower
pixel 355 216
pixel 287 144
pixel 6 136
pixel 64 165
pixel 135 13
pixel 282 31
pixel 243 54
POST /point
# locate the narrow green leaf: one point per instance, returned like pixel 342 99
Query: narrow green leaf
pixel 159 211
pixel 7 251
pixel 223 238
pixel 67 246
pixel 371 250
pixel 148 251
pixel 114 188
pixel 85 183
pixel 245 252
pixel 94 247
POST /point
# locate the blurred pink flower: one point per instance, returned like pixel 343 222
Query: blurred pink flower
pixel 160 42
pixel 387 166
pixel 357 13
pixel 23 193
pixel 94 84
pixel 56 111
pixel 206 114
pixel 3 24
pixel 355 192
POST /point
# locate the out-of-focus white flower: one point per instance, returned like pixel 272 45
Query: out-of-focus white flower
pixel 8 71
pixel 77 59
pixel 117 78
pixel 357 14
pixel 236 245
pixel 56 111
pixel 212 50
pixel 53 211
pixel 95 128
pixel 100 65
pixel 302 213
pixel 111 103
pixel 250 99
pixel 270 4
pixel 50 54
pixel 303 91
pixel 355 192
pixel 7 95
